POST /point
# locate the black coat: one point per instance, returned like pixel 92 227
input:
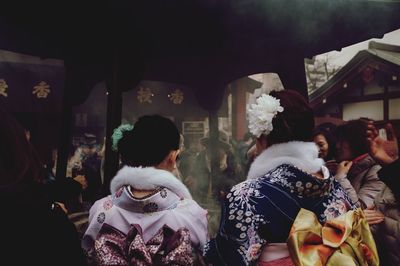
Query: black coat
pixel 35 231
pixel 390 176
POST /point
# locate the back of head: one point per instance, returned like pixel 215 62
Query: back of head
pixel 149 142
pixel 295 123
pixel 353 132
pixel 19 162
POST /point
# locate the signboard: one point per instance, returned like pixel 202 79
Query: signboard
pixel 31 88
pixel 193 128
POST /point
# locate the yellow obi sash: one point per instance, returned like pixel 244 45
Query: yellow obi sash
pixel 345 240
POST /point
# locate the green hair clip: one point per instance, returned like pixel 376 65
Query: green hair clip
pixel 118 134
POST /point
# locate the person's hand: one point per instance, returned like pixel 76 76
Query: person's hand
pixel 62 206
pixel 343 168
pixel 383 151
pixel 373 216
pixel 81 179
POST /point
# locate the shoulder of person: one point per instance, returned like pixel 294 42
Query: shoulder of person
pixel 373 171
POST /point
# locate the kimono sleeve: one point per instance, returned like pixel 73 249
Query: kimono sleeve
pixel 238 241
pixel 92 230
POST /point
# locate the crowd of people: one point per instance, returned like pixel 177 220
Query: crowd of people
pixel 289 193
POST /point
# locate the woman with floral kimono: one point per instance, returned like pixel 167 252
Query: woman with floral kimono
pixel 285 177
pixel 150 217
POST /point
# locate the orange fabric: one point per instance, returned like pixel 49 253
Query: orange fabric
pixel 345 240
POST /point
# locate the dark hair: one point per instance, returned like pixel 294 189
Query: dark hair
pixel 296 122
pixel 149 142
pixel 19 162
pixel 353 132
pixel 328 130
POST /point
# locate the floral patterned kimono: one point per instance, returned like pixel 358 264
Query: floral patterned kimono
pixel 259 212
pixel 164 228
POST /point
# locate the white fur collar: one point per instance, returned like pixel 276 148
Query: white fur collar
pixel 303 155
pixel 148 178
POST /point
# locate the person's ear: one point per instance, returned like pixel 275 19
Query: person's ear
pixel 261 144
pixel 174 156
pixel 170 161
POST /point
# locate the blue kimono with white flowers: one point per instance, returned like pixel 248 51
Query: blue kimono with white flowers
pixel 262 210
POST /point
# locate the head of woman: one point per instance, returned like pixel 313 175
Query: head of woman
pixel 351 141
pixel 324 137
pixel 294 123
pixel 153 141
pixel 19 163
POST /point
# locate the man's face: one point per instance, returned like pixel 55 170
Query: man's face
pixel 85 150
pixel 92 150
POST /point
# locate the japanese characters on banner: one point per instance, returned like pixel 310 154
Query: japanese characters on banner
pixel 145 95
pixel 3 88
pixel 41 90
pixel 32 88
pixel 176 97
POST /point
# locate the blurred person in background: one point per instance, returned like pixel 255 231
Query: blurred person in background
pixel 29 216
pixel 215 185
pixel 91 169
pixel 65 190
pixel 324 136
pixel 386 217
pixel 361 181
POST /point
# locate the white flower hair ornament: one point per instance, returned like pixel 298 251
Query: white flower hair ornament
pixel 261 114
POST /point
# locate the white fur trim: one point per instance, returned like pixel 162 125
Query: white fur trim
pixel 303 155
pixel 148 178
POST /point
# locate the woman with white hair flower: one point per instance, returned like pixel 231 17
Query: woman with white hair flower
pixel 285 177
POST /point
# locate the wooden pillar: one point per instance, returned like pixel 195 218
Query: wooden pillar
pixel 214 148
pixel 64 141
pixel 65 134
pixel 239 122
pixel 125 73
pixel 114 113
pixel 241 111
pixel 212 105
pixel 234 114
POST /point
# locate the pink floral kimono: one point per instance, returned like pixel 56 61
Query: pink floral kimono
pixel 166 227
